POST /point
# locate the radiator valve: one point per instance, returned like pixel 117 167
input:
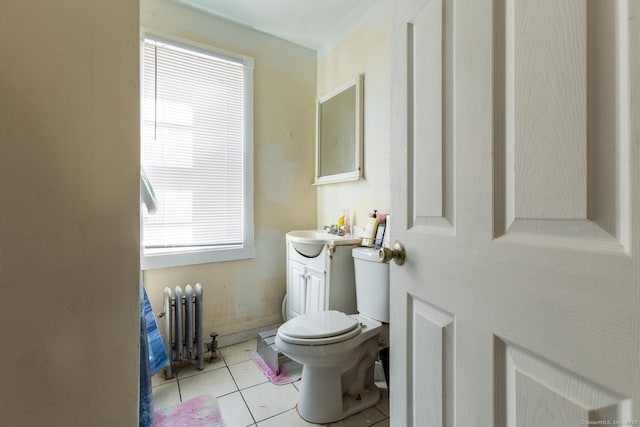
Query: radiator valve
pixel 213 346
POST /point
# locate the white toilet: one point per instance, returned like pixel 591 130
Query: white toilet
pixel 338 351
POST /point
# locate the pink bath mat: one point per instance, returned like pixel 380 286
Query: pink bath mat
pixel 290 371
pixel 201 411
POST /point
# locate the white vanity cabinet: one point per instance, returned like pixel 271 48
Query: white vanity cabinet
pixel 324 282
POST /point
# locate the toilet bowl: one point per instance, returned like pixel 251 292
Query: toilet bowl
pixel 338 351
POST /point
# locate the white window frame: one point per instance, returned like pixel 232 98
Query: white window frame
pixel 192 256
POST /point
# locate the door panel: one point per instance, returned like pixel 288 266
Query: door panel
pixel 515 173
pixel 546 108
pixel 297 292
pixel 546 394
pixel 432 364
pixel 430 143
pixel 316 290
pixel 561 143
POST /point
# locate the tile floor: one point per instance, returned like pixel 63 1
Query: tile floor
pixel 246 396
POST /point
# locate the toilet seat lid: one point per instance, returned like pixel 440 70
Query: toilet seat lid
pixel 321 324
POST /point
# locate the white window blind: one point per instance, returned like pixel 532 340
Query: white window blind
pixel 192 148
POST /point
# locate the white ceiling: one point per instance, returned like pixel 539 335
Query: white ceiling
pixel 315 24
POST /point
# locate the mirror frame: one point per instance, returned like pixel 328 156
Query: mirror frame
pixel 357 172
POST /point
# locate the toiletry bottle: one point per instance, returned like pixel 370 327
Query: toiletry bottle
pixel 347 223
pixel 371 230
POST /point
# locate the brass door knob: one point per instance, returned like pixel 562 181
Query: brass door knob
pixel 395 253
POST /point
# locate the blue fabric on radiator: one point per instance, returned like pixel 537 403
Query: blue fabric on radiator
pixel 145 408
pixel 153 357
pixel 157 355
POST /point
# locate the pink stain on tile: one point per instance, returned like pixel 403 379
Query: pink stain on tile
pixel 201 411
pixel 289 371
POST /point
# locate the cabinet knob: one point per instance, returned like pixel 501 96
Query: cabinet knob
pixel 396 253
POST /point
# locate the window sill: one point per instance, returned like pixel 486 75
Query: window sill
pixel 185 257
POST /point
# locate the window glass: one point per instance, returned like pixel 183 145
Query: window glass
pixel 193 149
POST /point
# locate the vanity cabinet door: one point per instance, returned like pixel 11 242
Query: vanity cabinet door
pixel 316 290
pixel 296 289
pixel 321 283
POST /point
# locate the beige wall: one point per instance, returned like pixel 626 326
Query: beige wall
pixel 364 51
pixel 242 296
pixel 69 189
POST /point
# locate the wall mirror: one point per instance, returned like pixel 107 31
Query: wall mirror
pixel 339 129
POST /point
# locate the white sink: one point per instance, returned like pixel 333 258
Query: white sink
pixel 311 242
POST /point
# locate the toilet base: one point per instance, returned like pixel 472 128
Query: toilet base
pixel 368 398
pixel 350 405
pixel 330 393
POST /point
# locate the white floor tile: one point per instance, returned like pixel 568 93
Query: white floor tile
pixel 238 352
pixel 216 383
pixel 158 379
pixel 266 400
pixel 247 374
pixel 288 419
pixel 383 405
pixel 165 395
pixel 234 411
pixel 189 368
pixel 368 417
pixel 218 362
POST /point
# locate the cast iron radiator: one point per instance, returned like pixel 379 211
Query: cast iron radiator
pixel 183 325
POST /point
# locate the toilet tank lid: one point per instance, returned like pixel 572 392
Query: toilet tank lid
pixel 367 254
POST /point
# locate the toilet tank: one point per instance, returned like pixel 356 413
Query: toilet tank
pixel 372 284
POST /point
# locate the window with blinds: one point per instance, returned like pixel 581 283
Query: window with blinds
pixel 195 137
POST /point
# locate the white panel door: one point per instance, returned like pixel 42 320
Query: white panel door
pixel 515 190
